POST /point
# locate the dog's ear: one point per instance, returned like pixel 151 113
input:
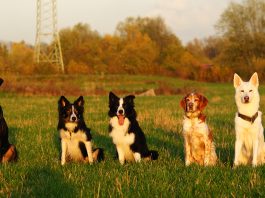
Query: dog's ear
pixel 63 102
pixel 254 80
pixel 183 103
pixel 112 97
pixel 80 101
pixel 203 102
pixel 237 80
pixel 130 99
pixel 1 81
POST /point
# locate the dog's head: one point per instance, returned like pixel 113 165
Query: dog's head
pixel 1 81
pixel 71 113
pixel 121 107
pixel 246 91
pixel 193 103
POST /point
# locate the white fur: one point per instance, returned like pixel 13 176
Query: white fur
pixel 120 106
pixel 122 139
pixel 70 145
pixel 249 145
pixel 196 132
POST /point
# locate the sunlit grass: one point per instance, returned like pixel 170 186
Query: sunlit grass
pixel 38 173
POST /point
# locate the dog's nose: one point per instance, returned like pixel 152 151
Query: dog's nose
pixel 246 98
pixel 73 119
pixel 120 111
pixel 190 105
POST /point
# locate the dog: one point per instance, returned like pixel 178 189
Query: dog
pixel 125 131
pixel 75 136
pixel 198 138
pixel 8 152
pixel 249 144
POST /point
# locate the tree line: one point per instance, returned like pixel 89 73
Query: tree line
pixel 145 45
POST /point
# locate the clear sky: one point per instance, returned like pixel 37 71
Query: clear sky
pixel 186 18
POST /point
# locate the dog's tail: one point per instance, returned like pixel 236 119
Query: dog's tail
pixel 151 155
pixel 98 154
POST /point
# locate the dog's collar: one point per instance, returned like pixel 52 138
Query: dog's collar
pixel 247 118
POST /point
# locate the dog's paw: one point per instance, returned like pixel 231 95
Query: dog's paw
pixel 62 162
pixel 130 138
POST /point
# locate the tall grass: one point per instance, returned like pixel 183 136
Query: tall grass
pixel 32 121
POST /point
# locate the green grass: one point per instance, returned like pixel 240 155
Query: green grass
pixel 32 121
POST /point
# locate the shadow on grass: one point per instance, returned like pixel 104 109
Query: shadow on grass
pixel 171 142
pixel 225 155
pixel 45 182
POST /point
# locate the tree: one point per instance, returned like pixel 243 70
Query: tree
pixel 243 25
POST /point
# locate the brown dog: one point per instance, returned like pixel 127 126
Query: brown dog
pixel 198 139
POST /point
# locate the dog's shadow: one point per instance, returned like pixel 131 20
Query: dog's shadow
pixel 171 143
pixel 45 182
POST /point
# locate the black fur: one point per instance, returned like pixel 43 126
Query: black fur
pixel 1 81
pixel 65 111
pixel 4 142
pixel 140 145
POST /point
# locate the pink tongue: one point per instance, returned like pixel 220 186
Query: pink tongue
pixel 121 119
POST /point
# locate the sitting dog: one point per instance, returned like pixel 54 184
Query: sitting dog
pixel 75 136
pixel 8 151
pixel 125 131
pixel 198 138
pixel 249 145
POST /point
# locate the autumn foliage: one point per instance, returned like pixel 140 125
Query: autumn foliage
pixel 148 46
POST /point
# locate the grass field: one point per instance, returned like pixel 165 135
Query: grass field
pixel 32 120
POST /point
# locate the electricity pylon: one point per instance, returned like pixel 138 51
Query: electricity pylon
pixel 47 43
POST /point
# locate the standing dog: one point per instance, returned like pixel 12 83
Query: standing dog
pixel 8 151
pixel 75 136
pixel 249 145
pixel 198 138
pixel 125 131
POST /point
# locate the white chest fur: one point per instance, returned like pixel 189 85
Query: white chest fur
pixel 71 142
pixel 121 138
pixel 194 125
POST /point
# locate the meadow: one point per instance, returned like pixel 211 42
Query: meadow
pixel 30 109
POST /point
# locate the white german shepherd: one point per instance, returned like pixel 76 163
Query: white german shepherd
pixel 249 145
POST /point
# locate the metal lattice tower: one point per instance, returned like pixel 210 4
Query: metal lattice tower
pixel 47 43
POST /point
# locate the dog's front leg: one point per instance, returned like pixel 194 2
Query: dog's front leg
pixel 137 157
pixel 89 151
pixel 64 149
pixel 187 152
pixel 121 155
pixel 207 151
pixel 255 152
pixel 238 150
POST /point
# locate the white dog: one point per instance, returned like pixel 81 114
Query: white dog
pixel 249 145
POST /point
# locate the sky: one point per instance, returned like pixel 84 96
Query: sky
pixel 188 19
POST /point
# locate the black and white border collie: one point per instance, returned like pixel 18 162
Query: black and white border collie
pixel 125 131
pixel 75 136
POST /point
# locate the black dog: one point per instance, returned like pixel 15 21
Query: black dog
pixel 8 151
pixel 125 131
pixel 75 136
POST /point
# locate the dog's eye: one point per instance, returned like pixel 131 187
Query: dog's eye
pixel 187 99
pixel 196 100
pixel 250 90
pixel 242 91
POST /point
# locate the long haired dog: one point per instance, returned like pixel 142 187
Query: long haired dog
pixel 75 136
pixel 249 145
pixel 125 131
pixel 198 138
pixel 8 151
